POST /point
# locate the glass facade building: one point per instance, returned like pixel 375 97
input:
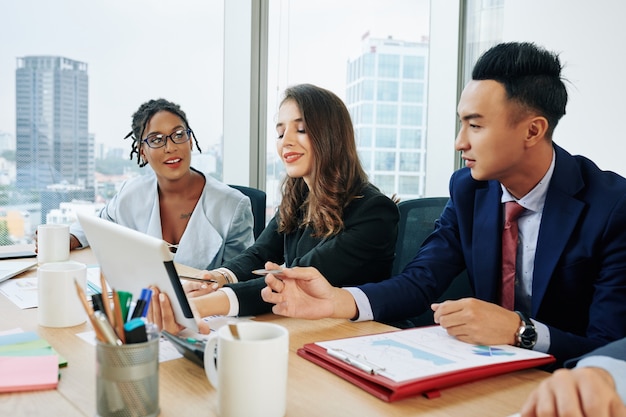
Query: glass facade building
pixel 52 141
pixel 386 96
pixel 54 152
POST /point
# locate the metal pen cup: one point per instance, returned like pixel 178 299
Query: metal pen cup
pixel 127 379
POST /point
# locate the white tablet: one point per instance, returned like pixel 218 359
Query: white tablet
pixel 131 260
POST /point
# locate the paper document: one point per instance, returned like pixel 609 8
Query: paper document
pixel 421 352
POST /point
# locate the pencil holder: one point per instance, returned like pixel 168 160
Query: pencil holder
pixel 127 379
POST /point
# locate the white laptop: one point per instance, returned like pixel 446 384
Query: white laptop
pixel 131 261
pixel 9 269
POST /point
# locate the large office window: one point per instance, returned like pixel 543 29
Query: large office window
pixel 372 54
pixel 71 77
pixel 590 57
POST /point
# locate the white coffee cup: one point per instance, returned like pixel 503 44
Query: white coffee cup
pixel 53 243
pixel 59 305
pixel 249 373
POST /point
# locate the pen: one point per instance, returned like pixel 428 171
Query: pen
pixel 125 299
pixel 117 313
pixel 106 329
pixel 105 298
pixel 267 271
pixel 141 304
pixel 138 311
pixel 147 296
pixel 97 302
pixel 351 360
pixel 89 311
pixel 197 278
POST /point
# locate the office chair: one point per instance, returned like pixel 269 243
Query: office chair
pixel 257 199
pixel 417 221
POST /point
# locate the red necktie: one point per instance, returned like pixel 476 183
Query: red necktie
pixel 512 210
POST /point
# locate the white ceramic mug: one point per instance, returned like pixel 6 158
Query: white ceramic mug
pixel 53 243
pixel 58 302
pixel 249 373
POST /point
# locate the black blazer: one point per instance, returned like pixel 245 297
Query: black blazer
pixel 363 252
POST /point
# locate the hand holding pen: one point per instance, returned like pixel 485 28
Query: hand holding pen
pixel 204 282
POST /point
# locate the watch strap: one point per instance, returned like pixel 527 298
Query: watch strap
pixel 526 336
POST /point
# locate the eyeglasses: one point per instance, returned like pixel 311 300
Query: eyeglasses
pixel 159 140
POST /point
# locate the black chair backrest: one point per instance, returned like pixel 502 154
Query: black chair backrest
pixel 417 221
pixel 257 199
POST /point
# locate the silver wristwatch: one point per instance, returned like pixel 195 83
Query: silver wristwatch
pixel 526 336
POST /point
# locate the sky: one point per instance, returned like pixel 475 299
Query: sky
pixel 137 50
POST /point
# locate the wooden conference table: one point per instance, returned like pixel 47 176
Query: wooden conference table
pixel 312 391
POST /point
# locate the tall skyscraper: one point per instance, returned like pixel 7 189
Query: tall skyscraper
pixel 386 96
pixel 52 140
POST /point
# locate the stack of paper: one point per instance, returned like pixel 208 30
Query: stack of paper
pixel 28 363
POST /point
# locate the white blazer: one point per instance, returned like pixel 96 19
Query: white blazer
pixel 220 227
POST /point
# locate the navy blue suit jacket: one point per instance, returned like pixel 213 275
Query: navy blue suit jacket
pixel 615 350
pixel 579 281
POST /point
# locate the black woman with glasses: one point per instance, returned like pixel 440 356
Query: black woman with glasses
pixel 204 221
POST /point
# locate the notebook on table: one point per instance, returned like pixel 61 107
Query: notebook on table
pixel 9 269
pixel 131 260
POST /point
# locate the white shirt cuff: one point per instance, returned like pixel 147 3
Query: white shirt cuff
pixel 233 277
pixel 234 302
pixel 362 304
pixel 615 367
pixel 543 337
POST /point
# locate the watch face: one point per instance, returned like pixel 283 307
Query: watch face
pixel 528 337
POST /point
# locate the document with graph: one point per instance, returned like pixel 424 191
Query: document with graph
pixel 422 360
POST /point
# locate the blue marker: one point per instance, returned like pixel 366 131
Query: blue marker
pixel 146 295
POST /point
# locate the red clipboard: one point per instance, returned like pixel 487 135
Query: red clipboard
pixel 429 386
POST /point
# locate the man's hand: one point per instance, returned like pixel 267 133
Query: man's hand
pixel 581 392
pixel 303 292
pixel 478 322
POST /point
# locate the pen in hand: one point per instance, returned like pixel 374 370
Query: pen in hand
pixel 214 281
pixel 267 271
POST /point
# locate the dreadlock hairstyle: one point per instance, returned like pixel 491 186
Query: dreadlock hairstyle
pixel 141 118
pixel 530 75
pixel 337 176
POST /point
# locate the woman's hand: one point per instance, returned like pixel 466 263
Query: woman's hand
pixel 195 288
pixel 161 313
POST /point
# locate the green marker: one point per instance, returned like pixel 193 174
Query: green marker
pixel 125 299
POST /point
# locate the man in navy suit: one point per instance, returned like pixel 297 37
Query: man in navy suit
pixel 570 287
pixel 595 388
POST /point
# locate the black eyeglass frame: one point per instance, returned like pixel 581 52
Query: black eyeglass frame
pixel 188 132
